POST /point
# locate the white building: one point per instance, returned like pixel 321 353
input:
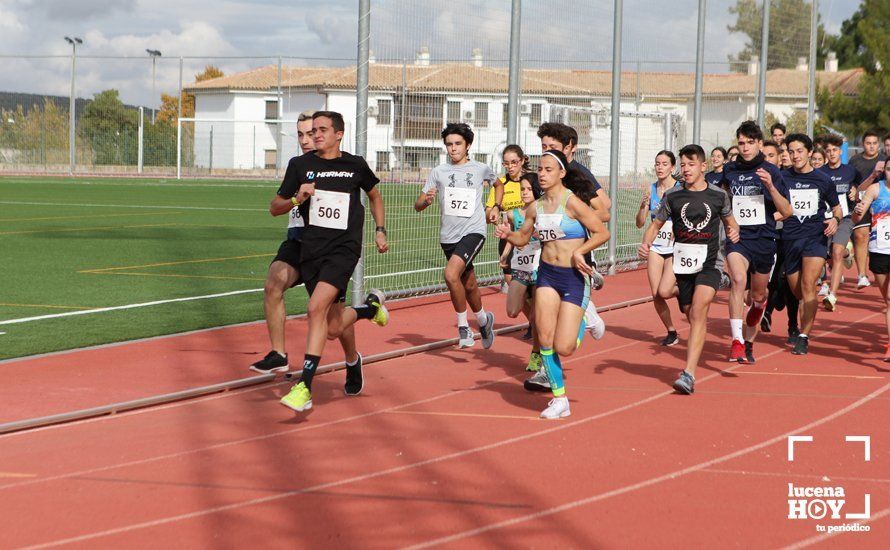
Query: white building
pixel 655 110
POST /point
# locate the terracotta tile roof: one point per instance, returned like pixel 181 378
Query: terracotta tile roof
pixel 466 78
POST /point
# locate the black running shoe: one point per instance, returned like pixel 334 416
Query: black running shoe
pixel 766 323
pixel 749 353
pixel 354 380
pixel 801 346
pixel 273 362
pixel 793 333
pixel 671 339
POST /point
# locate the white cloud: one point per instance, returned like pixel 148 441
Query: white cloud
pixel 563 33
pixel 67 10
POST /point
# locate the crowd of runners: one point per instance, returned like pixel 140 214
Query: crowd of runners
pixel 776 219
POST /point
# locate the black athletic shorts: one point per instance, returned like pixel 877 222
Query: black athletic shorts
pixel 760 253
pixel 708 276
pixel 796 250
pixel 502 244
pixel 289 253
pixel 334 268
pixel 466 248
pixel 879 264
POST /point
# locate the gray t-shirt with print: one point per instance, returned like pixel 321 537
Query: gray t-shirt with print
pixel 460 192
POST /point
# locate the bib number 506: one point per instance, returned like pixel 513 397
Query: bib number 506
pixel 329 212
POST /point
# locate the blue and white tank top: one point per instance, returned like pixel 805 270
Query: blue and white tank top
pixel 879 239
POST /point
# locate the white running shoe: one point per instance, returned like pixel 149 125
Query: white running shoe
pixel 505 288
pixel 595 323
pixel 465 337
pixel 848 259
pixel 824 290
pixel 557 408
pixel 863 282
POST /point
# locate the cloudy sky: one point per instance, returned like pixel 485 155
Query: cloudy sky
pixel 564 33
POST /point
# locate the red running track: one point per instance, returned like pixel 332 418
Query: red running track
pixel 103 375
pixel 446 449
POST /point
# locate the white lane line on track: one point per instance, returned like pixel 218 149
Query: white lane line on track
pixel 655 480
pixel 88 205
pixel 459 454
pixel 128 306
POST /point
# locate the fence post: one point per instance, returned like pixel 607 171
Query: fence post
pixel 141 133
pixel 278 141
pixel 616 124
pixel 361 125
pixel 514 74
pixel 179 146
pixel 210 171
pixel 764 58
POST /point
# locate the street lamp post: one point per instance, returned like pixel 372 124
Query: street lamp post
pixel 74 42
pixel 155 54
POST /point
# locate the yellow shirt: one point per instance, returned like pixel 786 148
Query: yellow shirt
pixel 512 196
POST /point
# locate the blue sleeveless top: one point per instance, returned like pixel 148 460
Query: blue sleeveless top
pixel 572 228
pixel 655 200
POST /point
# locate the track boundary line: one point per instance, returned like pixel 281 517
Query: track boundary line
pixel 190 393
pixel 91 216
pixel 127 306
pixel 88 205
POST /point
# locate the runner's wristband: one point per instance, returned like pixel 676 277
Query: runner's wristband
pixel 294 201
pixel 381 229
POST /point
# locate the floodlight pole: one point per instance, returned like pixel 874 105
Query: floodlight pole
pixel 154 54
pixel 71 119
pixel 699 70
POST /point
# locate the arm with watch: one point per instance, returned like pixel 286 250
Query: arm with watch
pixel 494 215
pixel 375 203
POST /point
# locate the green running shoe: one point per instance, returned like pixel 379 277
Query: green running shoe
pixel 299 398
pixel 376 299
pixel 534 362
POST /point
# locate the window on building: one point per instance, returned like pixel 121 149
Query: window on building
pixel 505 118
pixel 384 111
pixel 480 114
pixel 271 159
pixel 453 114
pixel 422 116
pixel 271 109
pixel 382 160
pixel 481 157
pixel 535 118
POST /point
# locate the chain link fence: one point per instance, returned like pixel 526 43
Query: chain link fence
pixel 433 62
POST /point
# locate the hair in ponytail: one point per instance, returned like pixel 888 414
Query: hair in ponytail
pixel 574 181
pixel 517 150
